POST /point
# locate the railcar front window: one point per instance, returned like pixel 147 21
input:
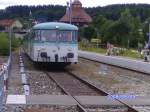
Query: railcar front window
pixel 56 35
pixel 48 35
pixel 67 36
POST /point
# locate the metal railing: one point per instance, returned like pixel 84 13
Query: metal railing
pixel 1 88
pixel 4 74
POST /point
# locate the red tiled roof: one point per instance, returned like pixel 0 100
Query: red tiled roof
pixel 6 22
pixel 77 2
pixel 78 14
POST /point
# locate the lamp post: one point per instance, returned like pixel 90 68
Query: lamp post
pixel 149 37
pixel 10 37
pixel 70 11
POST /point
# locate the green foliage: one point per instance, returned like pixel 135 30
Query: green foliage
pixel 88 32
pixel 4 43
pixel 55 12
pixel 15 42
pixel 92 49
pixel 118 24
pixel 126 32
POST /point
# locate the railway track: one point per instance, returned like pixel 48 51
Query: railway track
pixel 73 86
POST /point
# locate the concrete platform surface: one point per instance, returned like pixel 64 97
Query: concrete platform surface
pixel 136 65
pixel 69 101
pixel 107 101
pixel 16 99
pixel 50 99
pixel 41 99
pixel 98 100
pixel 138 101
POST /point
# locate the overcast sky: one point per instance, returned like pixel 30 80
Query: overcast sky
pixel 86 3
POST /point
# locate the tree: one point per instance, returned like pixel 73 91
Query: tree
pixel 117 33
pixel 88 32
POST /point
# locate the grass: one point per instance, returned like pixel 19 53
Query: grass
pixel 130 53
pixel 92 49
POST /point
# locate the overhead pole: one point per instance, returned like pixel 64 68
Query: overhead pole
pixel 70 11
pixel 10 38
pixel 149 37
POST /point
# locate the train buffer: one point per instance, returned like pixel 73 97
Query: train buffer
pixel 67 100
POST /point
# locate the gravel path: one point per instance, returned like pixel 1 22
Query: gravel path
pixel 15 83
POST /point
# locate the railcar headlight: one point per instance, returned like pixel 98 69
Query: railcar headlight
pixel 41 49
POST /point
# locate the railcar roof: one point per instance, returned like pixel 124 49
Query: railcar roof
pixel 55 25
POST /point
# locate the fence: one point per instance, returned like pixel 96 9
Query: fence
pixel 4 80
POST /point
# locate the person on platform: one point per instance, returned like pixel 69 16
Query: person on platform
pixel 109 49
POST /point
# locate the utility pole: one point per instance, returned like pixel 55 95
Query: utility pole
pixel 10 38
pixel 70 11
pixel 149 37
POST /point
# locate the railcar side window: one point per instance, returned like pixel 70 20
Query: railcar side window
pixel 37 35
pixel 75 36
pixel 32 34
pixel 53 35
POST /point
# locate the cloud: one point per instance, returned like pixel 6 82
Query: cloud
pixel 4 4
pixel 7 3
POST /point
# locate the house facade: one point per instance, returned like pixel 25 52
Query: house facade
pixel 9 23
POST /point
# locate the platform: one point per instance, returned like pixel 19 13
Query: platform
pixel 136 65
pixel 51 100
pixel 69 101
pixel 40 99
pixel 97 100
pixel 139 101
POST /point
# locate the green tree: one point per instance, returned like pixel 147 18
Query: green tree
pixel 88 32
pixel 4 44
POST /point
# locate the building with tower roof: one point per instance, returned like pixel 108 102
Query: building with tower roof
pixel 76 14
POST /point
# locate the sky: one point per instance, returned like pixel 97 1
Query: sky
pixel 86 3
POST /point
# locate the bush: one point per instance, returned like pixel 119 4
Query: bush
pixel 4 43
pixel 15 42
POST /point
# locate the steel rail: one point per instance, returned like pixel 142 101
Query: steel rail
pixel 130 108
pixel 80 107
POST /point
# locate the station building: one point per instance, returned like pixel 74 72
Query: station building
pixel 76 14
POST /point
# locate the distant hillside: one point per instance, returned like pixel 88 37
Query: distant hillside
pixel 113 11
pixel 54 13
